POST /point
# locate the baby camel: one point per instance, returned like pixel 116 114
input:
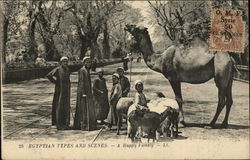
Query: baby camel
pixel 147 121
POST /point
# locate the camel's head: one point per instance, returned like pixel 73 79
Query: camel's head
pixel 137 32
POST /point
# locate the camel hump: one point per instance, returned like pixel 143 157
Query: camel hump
pixel 160 105
pixel 192 57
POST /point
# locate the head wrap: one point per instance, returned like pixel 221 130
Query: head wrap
pixel 85 59
pixel 137 82
pixel 64 58
pixel 116 75
pixel 119 68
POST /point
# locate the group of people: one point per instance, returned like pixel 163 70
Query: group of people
pixel 92 103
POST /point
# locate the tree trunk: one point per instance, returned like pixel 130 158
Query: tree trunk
pixel 52 53
pixel 95 50
pixel 105 43
pixel 83 47
pixel 32 46
pixel 92 35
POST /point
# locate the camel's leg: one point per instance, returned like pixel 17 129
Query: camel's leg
pixel 178 96
pixel 154 136
pixel 128 129
pixel 223 76
pixel 172 130
pixel 229 102
pixel 132 134
pixel 176 127
pixel 157 135
pixel 119 122
pixel 220 106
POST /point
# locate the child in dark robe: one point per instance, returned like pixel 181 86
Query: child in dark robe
pixel 100 95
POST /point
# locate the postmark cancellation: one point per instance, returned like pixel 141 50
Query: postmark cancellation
pixel 227 30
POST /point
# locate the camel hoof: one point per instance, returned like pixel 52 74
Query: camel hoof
pixel 224 125
pixel 176 135
pixel 182 124
pixel 211 125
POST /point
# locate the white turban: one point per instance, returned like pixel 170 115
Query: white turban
pixel 85 59
pixel 119 69
pixel 116 75
pixel 64 58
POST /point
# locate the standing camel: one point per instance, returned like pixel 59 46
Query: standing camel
pixel 193 64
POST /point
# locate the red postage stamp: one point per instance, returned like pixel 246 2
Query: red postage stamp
pixel 227 30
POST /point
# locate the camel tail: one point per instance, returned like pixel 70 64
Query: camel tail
pixel 235 66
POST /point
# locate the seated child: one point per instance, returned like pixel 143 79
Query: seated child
pixel 140 98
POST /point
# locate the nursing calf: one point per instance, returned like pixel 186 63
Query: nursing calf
pixel 163 117
pixel 167 126
pixel 147 122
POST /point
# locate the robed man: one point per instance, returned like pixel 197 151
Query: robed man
pixel 60 76
pixel 125 84
pixel 85 118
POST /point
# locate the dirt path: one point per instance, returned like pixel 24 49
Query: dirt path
pixel 27 101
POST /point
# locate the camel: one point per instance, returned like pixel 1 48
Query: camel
pixel 194 64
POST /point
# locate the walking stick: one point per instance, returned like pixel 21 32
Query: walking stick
pixel 97 134
pixel 130 68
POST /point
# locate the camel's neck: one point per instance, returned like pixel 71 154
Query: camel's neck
pixel 148 53
pixel 146 46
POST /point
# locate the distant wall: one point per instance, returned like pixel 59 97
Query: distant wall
pixel 16 75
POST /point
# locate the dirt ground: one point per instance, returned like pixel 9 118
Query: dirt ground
pixel 27 101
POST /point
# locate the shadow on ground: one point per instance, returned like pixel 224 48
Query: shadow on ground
pixel 217 126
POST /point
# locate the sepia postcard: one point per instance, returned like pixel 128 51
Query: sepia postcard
pixel 117 79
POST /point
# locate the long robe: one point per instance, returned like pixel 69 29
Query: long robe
pixel 100 96
pixel 61 99
pixel 85 111
pixel 125 84
pixel 116 94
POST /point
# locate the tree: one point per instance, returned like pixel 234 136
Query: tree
pixel 172 16
pixel 91 19
pixel 8 9
pixel 32 15
pixel 124 14
pixel 49 18
pixel 105 42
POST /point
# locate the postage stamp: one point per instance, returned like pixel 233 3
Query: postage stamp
pixel 227 30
